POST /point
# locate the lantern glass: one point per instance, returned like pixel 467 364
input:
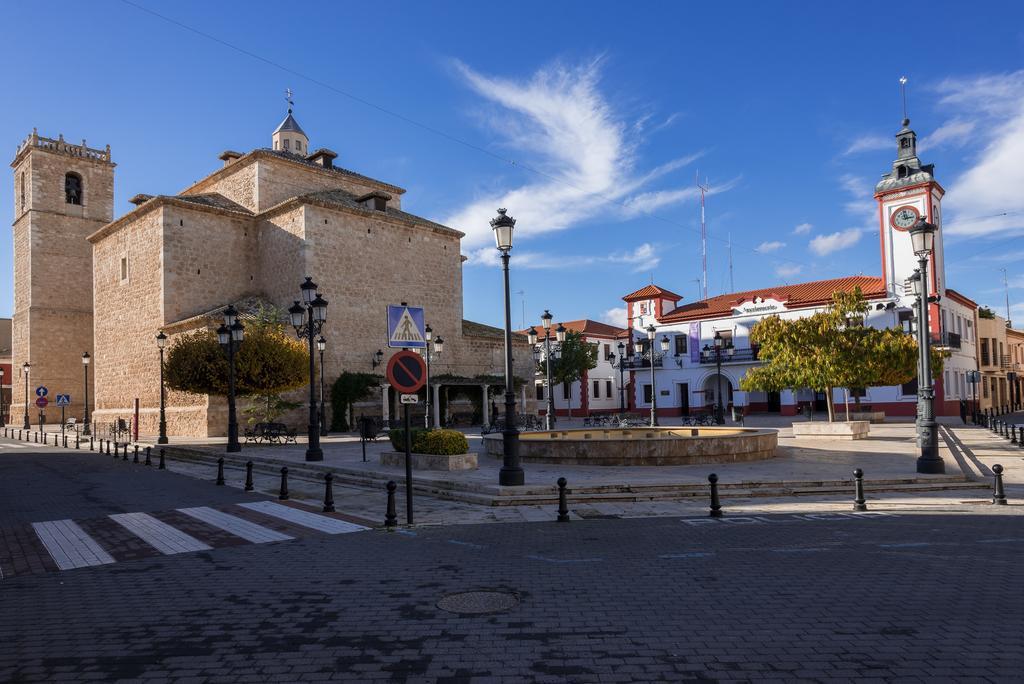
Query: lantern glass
pixel 718 340
pixel 321 344
pixel 622 349
pixel 223 335
pixel 429 332
pixel 922 237
pixel 161 342
pixel 230 315
pixel 237 331
pixel 531 335
pixel 25 367
pixel 915 283
pixel 297 315
pixel 651 332
pixel 439 345
pixel 86 359
pixel 545 319
pixel 664 343
pixel 536 353
pixel 308 289
pixel 319 309
pixel 503 236
pixel 560 333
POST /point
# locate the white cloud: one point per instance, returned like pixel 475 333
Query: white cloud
pixel 642 258
pixel 788 270
pixel 802 229
pixel 869 143
pixel 986 198
pixel 823 245
pixel 565 129
pixel 615 316
pixel 955 132
pixel 766 247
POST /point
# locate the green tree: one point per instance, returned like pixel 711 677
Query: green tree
pixel 348 388
pixel 830 349
pixel 268 363
pixel 985 312
pixel 576 357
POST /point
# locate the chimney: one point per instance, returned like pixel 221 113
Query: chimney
pixel 323 157
pixel 376 200
pixel 140 198
pixel 228 156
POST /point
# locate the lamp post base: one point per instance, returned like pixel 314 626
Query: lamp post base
pixel 511 474
pixel 930 463
pixel 314 454
pixel 160 440
pixel 511 477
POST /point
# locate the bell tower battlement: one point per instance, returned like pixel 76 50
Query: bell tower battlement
pixel 63 192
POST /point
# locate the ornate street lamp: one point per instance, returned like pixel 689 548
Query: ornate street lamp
pixel 377 359
pixel 230 335
pixel 2 421
pixel 161 342
pixel 321 344
pixel 922 238
pixel 622 385
pixel 85 414
pixel 434 346
pixel 511 470
pixel 308 320
pixel 719 409
pixel 651 333
pixel 25 369
pixel 549 353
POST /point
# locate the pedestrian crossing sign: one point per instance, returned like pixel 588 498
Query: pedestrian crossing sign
pixel 405 327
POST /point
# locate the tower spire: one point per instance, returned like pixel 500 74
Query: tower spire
pixel 903 94
pixel 291 103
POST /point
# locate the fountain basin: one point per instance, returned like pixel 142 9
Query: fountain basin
pixel 645 446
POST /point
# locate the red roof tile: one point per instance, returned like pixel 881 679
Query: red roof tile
pixel 799 296
pixel 586 326
pixel 652 292
pixel 956 296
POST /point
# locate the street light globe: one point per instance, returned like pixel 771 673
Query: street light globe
pixel 319 305
pixel 428 332
pixel 651 332
pixel 531 335
pixel 545 319
pixel 223 335
pixel 321 344
pixel 161 342
pixel 503 225
pixel 25 367
pixel 664 343
pixel 560 333
pixel 297 315
pixel 308 289
pixel 86 359
pixel 922 237
pixel 439 345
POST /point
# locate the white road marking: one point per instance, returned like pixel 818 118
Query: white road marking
pixel 304 518
pixel 15 445
pixel 249 531
pixel 69 545
pixel 158 534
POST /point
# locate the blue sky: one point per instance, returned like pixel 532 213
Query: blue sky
pixel 588 121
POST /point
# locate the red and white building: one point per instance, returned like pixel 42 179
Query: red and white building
pixel 686 379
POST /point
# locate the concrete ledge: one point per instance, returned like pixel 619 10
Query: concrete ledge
pixel 870 416
pixel 855 429
pixel 430 461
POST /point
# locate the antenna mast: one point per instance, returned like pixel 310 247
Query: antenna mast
pixel 703 234
pixel 1006 289
pixel 732 288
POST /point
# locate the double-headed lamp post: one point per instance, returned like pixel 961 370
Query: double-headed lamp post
pixel 161 342
pixel 308 320
pixel 85 412
pixel 25 368
pixel 922 237
pixel 321 344
pixel 549 353
pixel 511 470
pixel 622 384
pixel 434 346
pixel 230 335
pixel 652 333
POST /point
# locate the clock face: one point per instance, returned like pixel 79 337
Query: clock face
pixel 905 217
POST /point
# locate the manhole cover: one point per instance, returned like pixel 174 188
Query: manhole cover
pixel 478 602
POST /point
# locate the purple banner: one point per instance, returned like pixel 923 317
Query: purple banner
pixel 695 343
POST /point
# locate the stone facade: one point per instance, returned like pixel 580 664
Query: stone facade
pixel 250 231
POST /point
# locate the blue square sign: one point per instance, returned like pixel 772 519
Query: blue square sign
pixel 405 327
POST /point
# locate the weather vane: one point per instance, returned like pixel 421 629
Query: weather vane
pixel 288 97
pixel 903 92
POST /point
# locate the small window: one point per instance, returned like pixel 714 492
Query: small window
pixel 647 394
pixel 909 389
pixel 275 144
pixel 607 352
pixel 597 389
pixel 540 392
pixel 72 188
pixel 566 391
pixel 905 142
pixel 984 387
pixel 286 144
pixel 124 269
pixel 22 180
pixel 298 145
pixel 608 388
pixel 680 345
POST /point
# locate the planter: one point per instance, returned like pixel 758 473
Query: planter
pixel 855 429
pixel 430 461
pixel 870 416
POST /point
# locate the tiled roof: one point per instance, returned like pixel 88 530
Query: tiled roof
pixel 586 326
pixel 290 124
pixel 214 199
pixel 474 329
pixel 966 301
pixel 799 296
pixel 332 169
pixel 651 292
pixel 248 307
pixel 350 201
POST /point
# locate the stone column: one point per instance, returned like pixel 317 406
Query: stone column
pixel 522 398
pixel 385 404
pixel 436 407
pixel 486 405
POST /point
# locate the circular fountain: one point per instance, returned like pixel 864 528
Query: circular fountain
pixel 643 446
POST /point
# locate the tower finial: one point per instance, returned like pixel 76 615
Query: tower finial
pixel 288 97
pixel 903 93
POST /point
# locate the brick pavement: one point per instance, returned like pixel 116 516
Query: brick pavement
pixel 785 598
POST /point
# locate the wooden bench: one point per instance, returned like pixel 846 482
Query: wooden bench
pixel 271 433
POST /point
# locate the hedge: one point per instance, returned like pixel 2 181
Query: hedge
pixel 437 442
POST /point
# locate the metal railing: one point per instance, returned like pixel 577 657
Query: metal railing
pixel 730 355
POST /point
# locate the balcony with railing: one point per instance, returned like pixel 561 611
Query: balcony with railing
pixel 946 340
pixel 642 360
pixel 729 355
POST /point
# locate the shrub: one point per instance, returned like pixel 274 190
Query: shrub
pixel 437 442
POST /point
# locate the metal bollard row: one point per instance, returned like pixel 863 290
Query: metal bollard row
pixel 998 493
pixel 563 504
pixel 391 517
pixel 220 471
pixel 328 493
pixel 283 494
pixel 716 505
pixel 248 476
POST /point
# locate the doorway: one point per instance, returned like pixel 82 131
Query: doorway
pixel 684 399
pixel 774 402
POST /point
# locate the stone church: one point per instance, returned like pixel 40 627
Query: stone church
pixel 247 234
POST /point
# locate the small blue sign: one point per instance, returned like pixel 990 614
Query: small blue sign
pixel 63 400
pixel 405 327
pixel 41 391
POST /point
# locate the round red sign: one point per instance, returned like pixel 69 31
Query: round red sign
pixel 407 372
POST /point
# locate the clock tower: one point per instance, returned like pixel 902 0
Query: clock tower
pixel 908 192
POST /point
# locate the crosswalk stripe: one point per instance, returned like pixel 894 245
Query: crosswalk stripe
pixel 158 534
pixel 312 520
pixel 249 531
pixel 69 545
pixel 15 445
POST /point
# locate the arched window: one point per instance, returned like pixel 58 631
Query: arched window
pixel 72 188
pixel 22 180
pixel 902 172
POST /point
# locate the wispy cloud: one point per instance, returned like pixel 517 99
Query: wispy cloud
pixel 766 247
pixel 642 258
pixel 615 316
pixel 823 245
pixel 562 125
pixel 986 198
pixel 869 143
pixel 803 229
pixel 953 133
pixel 788 270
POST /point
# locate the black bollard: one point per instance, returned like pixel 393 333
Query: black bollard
pixel 163 465
pixel 998 494
pixel 149 460
pixel 716 506
pixel 391 517
pixel 283 494
pixel 563 504
pixel 220 472
pixel 858 488
pixel 328 493
pixel 1013 434
pixel 90 444
pixel 248 476
pixel 124 453
pixel 117 448
pixel 65 441
pixel 135 459
pixel 78 444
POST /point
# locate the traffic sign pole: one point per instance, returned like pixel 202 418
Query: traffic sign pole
pixel 408 465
